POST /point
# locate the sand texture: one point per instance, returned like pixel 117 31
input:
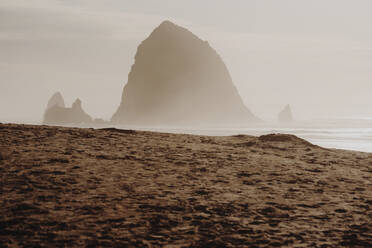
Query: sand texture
pixel 70 187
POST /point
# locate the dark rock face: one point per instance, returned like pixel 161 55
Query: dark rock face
pixel 57 115
pixel 56 99
pixel 286 115
pixel 178 79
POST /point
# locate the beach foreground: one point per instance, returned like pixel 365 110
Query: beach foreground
pixel 121 188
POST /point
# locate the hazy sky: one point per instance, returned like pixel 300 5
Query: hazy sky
pixel 314 54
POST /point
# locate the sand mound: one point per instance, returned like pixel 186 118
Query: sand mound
pixel 115 130
pixel 280 138
pixel 285 138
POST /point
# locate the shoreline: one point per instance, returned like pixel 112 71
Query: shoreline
pixel 338 136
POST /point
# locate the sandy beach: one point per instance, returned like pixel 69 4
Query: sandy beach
pixel 70 187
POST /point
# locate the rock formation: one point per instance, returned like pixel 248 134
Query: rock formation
pixel 178 79
pixel 286 115
pixel 59 115
pixel 56 99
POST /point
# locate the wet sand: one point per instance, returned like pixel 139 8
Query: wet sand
pixel 69 187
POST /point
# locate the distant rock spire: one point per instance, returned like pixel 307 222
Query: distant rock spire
pixel 57 114
pixel 78 115
pixel 286 114
pixel 77 104
pixel 56 99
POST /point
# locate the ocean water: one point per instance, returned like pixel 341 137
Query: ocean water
pixel 349 134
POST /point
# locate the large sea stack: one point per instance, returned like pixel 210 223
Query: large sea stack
pixel 178 79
